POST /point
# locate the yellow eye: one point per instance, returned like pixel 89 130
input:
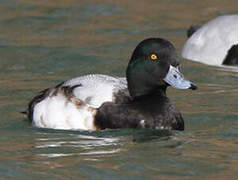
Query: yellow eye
pixel 153 57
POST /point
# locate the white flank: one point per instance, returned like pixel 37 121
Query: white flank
pixel 58 113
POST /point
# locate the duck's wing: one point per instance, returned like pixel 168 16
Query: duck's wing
pixel 95 89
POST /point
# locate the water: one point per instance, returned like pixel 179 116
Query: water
pixel 45 42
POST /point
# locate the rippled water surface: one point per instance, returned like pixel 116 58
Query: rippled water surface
pixel 45 42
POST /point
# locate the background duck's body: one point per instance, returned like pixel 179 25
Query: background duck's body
pixel 211 43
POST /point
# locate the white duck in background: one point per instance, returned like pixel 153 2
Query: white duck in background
pixel 215 43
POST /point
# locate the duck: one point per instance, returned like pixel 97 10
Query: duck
pixel 97 102
pixel 215 43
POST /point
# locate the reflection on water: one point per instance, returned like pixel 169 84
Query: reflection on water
pixel 89 145
pixel 97 144
pixel 86 142
pixel 44 42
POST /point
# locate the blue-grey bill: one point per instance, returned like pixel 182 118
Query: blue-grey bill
pixel 176 79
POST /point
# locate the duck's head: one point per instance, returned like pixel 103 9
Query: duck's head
pixel 154 66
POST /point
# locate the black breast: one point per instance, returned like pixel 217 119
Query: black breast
pixel 153 111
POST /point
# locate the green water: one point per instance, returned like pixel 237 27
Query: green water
pixel 45 42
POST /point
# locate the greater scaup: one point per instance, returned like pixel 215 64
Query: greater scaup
pixel 95 102
pixel 215 43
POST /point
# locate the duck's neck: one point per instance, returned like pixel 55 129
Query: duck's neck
pixel 157 92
